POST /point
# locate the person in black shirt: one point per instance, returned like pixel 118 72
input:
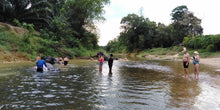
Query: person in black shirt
pixel 110 63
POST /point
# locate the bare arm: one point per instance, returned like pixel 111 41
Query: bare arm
pixel 198 58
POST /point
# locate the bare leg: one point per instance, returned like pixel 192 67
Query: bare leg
pixel 100 68
pixel 186 73
pixel 197 71
pixel 194 67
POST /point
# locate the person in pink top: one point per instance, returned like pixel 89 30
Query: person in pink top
pixel 101 60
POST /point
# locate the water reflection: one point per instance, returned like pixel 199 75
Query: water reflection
pixel 132 85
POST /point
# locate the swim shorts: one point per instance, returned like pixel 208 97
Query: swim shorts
pixel 184 64
pixel 101 63
pixel 65 62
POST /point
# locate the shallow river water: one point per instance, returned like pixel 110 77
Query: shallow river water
pixel 133 85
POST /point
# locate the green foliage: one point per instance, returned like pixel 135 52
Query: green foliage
pixel 66 26
pixel 140 33
pixel 184 24
pixel 37 12
pixel 209 42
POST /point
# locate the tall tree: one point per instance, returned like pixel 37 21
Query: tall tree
pixel 81 15
pixel 184 24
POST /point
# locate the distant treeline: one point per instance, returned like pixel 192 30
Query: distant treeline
pixel 65 26
pixel 140 33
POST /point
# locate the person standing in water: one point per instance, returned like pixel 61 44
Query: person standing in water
pixel 101 60
pixel 185 61
pixel 196 65
pixel 38 58
pixel 66 60
pixel 110 63
pixel 40 64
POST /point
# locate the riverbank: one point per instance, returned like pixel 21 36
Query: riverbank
pixel 18 57
pixel 212 61
pixel 12 57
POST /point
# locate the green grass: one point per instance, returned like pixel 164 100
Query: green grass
pixel 203 53
pixel 162 51
pixel 31 45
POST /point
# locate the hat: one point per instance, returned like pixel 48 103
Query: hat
pixel 196 52
pixel 184 50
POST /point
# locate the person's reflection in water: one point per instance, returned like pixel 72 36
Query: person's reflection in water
pixel 183 92
pixel 110 78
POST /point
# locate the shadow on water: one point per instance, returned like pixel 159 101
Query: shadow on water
pixel 136 84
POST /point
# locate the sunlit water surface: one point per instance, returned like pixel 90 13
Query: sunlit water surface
pixel 135 84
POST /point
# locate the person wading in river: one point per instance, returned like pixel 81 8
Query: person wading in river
pixel 38 58
pixel 101 60
pixel 196 65
pixel 40 65
pixel 110 63
pixel 185 62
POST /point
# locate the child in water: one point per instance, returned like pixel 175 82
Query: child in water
pixel 101 60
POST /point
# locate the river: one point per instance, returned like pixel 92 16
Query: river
pixel 134 84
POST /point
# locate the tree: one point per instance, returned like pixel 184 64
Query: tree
pixel 37 12
pixel 178 13
pixel 184 24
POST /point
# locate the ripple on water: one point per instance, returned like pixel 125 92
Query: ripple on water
pixel 54 104
pixel 49 96
pixel 155 67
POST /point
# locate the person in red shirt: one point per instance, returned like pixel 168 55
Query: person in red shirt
pixel 101 60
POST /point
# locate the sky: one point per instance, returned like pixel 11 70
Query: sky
pixel 157 11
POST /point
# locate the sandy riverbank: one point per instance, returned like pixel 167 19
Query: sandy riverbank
pixel 215 62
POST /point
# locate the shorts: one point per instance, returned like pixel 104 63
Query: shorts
pixel 101 63
pixel 39 69
pixel 65 62
pixel 195 62
pixel 184 64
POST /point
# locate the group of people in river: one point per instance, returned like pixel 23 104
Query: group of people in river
pixel 110 62
pixel 186 60
pixel 42 65
pixel 41 62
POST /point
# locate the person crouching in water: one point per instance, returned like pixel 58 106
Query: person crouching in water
pixel 66 60
pixel 40 64
pixel 101 60
pixel 110 63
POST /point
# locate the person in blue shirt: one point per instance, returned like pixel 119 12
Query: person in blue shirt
pixel 40 64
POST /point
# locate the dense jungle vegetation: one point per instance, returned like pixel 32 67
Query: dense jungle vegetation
pixel 55 27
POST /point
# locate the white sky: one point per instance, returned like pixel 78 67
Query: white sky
pixel 157 11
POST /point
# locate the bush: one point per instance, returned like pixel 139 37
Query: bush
pixel 211 48
pixel 210 42
pixel 216 42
